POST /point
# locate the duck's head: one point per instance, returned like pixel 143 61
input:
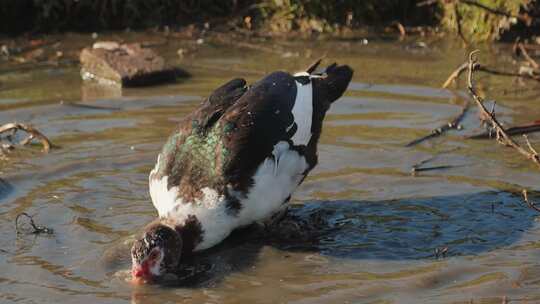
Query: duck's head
pixel 156 253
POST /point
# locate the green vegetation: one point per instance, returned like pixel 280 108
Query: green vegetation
pixel 479 19
pixel 328 16
pixel 481 24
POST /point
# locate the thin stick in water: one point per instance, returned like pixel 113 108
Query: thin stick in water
pixel 501 135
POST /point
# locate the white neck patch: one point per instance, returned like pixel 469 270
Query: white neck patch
pixel 303 112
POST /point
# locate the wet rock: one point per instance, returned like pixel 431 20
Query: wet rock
pixel 35 55
pixel 125 65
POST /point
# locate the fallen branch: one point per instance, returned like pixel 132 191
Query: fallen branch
pixel 529 203
pixel 517 130
pixel 453 124
pixel 506 73
pixel 32 134
pixel 36 229
pixel 455 75
pixel 501 135
pixel 478 67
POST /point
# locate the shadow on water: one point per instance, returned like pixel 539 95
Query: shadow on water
pixel 5 189
pixel 404 229
pixel 408 229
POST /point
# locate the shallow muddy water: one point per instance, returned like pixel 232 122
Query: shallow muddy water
pixel 382 225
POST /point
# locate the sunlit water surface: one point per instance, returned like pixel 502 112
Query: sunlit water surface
pixel 382 225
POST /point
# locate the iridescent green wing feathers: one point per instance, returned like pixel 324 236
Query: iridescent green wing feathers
pixel 193 156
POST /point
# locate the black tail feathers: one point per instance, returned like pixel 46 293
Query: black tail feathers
pixel 335 81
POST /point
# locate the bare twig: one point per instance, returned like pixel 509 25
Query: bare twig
pixel 529 203
pixel 517 130
pixel 400 28
pixel 525 54
pixel 458 24
pixel 506 73
pixel 502 136
pixel 464 66
pixel 453 124
pixel 455 75
pixel 37 229
pixel 529 145
pixel 33 133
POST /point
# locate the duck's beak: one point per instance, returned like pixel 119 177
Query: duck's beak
pixel 141 274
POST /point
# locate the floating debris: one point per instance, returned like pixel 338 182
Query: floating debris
pixel 33 133
pixel 441 252
pixel 36 228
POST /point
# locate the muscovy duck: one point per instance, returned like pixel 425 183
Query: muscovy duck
pixel 234 161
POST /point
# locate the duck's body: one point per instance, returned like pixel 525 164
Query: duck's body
pixel 216 213
pixel 239 157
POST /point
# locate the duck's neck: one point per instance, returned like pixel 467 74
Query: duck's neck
pixel 191 233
